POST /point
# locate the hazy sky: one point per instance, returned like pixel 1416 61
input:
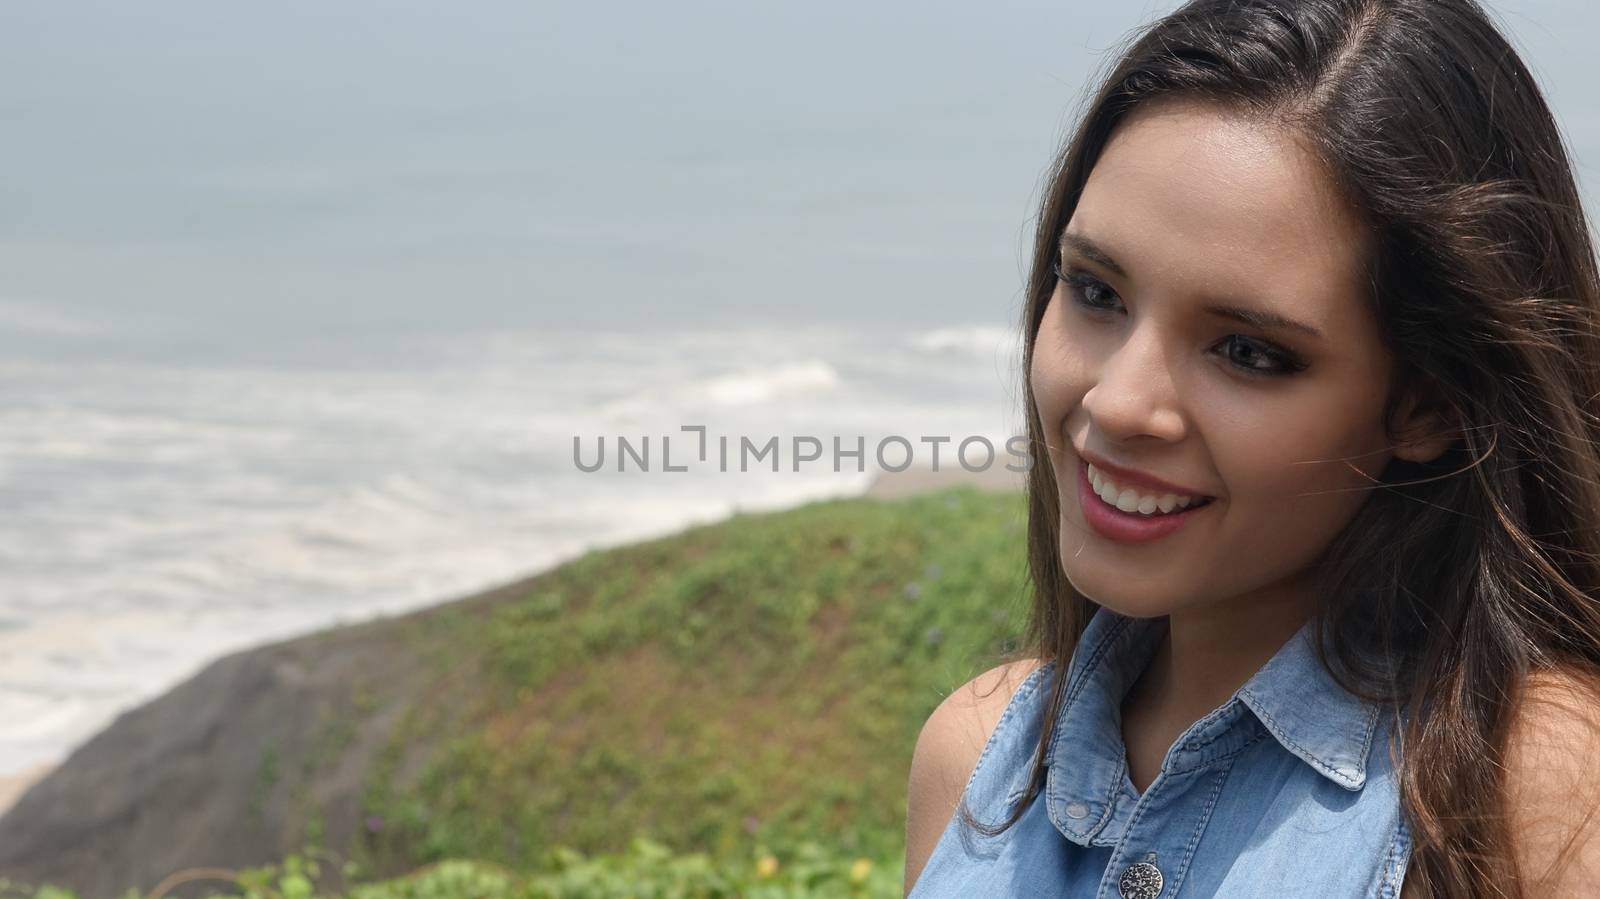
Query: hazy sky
pixel 223 168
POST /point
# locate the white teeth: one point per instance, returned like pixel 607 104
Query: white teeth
pixel 1129 500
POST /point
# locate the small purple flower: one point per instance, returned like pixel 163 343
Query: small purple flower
pixel 374 823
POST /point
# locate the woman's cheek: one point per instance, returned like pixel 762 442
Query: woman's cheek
pixel 1056 377
pixel 1047 406
pixel 1059 366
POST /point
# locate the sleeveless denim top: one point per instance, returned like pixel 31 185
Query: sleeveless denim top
pixel 1284 790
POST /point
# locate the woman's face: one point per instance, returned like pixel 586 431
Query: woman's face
pixel 1189 209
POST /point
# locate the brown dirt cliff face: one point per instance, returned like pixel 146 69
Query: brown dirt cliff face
pixel 228 769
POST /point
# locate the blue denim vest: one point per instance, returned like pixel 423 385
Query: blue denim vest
pixel 1287 789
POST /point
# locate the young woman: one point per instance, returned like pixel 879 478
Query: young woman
pixel 1312 348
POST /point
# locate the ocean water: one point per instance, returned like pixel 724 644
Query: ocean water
pixel 166 507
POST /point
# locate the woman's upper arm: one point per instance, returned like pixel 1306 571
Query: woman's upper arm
pixel 1552 791
pixel 946 753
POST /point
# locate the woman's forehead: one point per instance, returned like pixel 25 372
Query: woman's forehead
pixel 1187 193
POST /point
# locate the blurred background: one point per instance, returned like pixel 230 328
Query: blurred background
pixel 302 305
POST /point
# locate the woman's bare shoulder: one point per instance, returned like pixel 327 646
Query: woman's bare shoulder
pixel 955 733
pixel 947 752
pixel 1553 797
pixel 976 705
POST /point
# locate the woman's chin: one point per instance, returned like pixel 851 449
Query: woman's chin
pixel 1132 604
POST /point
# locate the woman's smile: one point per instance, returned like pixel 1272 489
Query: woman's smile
pixel 1135 526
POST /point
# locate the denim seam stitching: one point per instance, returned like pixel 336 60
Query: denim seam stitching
pixel 1093 662
pixel 1372 729
pixel 1215 714
pixel 1394 872
pixel 1029 685
pixel 1388 872
pixel 1200 828
pixel 1113 788
pixel 1223 758
pixel 1120 852
pixel 1315 758
pixel 1051 794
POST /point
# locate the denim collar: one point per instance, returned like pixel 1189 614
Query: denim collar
pixel 1292 697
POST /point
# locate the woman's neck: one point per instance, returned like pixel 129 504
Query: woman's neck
pixel 1207 654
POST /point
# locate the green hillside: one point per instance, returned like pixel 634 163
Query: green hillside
pixel 731 691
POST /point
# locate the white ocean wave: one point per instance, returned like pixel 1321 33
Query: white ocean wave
pixel 783 382
pixel 977 340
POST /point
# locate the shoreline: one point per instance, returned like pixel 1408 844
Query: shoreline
pixel 884 485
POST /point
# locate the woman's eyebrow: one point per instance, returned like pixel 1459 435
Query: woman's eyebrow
pixel 1259 318
pixel 1091 251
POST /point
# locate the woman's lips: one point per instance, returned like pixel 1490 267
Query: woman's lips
pixel 1128 527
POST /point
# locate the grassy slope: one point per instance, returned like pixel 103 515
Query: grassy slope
pixel 762 678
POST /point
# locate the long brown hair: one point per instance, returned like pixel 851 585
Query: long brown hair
pixel 1460 577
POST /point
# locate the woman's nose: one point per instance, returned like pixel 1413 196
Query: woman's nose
pixel 1133 393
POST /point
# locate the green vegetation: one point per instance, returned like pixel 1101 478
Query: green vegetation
pixel 647 870
pixel 728 711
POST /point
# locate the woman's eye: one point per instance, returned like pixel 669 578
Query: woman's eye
pixel 1087 290
pixel 1251 352
pixel 1250 355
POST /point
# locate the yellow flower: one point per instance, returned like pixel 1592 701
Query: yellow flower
pixel 860 870
pixel 767 866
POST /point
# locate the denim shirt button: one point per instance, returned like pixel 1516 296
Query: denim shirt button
pixel 1140 880
pixel 1077 809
